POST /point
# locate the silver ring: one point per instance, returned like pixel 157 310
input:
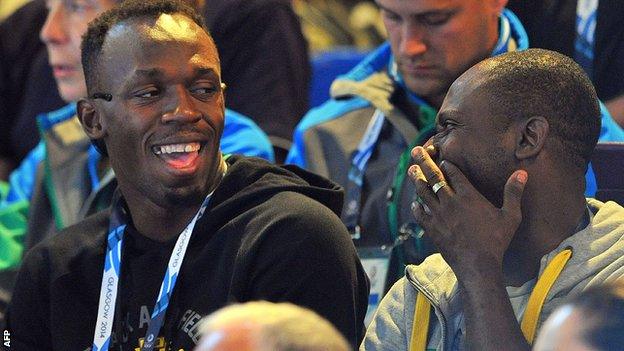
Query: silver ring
pixel 437 186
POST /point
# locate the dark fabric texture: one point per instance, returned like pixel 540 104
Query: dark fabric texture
pixel 269 233
pixel 550 24
pixel 264 59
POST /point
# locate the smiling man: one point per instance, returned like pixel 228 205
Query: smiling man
pixel 500 188
pixel 189 230
pixel 362 137
pixel 64 178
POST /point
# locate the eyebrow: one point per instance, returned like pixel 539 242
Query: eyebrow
pixel 423 14
pixel 205 71
pixel 159 74
pixel 446 114
pixel 148 73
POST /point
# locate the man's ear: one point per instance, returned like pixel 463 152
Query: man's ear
pixel 532 134
pixel 90 119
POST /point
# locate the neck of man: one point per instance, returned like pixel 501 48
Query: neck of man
pixel 547 220
pixel 163 223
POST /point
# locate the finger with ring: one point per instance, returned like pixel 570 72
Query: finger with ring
pixel 439 185
pixel 428 167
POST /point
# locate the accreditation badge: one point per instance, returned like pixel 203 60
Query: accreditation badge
pixel 376 262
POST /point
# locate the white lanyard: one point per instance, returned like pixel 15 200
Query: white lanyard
pixel 110 281
pixel 359 161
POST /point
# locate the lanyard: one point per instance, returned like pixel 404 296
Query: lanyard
pixel 359 160
pixel 112 272
pixel 394 194
pixel 420 324
pixel 506 42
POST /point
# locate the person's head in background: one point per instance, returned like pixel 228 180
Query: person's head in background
pixel 65 24
pixel 435 41
pixel 593 321
pixel 267 326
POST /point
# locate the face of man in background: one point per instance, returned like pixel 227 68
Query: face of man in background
pixel 435 41
pixel 67 21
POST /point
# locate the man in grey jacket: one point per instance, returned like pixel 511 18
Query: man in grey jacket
pixel 501 195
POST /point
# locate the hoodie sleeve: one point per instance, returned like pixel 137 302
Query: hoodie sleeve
pixel 305 256
pixel 14 208
pixel 388 329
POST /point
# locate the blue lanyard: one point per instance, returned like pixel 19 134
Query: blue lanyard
pixel 92 163
pixel 505 41
pixel 112 272
pixel 361 156
pixel 359 160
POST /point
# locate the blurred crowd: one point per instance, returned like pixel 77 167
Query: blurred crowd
pixel 311 174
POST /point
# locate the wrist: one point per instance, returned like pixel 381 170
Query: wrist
pixel 478 271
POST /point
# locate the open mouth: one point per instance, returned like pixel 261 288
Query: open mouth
pixel 178 156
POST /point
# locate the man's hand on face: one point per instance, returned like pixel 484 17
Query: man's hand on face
pixel 467 229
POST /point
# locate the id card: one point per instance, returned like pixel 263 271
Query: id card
pixel 376 262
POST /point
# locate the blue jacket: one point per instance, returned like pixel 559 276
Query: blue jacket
pixel 36 177
pixel 377 61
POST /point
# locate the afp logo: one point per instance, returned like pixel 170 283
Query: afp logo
pixel 6 338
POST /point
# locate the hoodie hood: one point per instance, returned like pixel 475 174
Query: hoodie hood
pixel 251 181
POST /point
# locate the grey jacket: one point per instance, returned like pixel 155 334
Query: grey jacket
pixel 598 256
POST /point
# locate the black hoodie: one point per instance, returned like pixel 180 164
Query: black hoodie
pixel 269 233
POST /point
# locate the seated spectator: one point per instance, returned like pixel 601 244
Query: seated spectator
pixel 268 85
pixel 64 178
pixel 386 105
pixel 500 193
pixel 592 321
pixel 266 326
pixel 27 86
pixel 216 229
pixel 591 32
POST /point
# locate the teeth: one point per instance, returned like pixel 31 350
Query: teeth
pixel 169 149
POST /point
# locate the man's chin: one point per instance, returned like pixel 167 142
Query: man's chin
pixel 69 93
pixel 427 88
pixel 188 194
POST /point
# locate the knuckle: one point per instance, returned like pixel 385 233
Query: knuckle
pixel 448 169
pixel 421 186
pixel 418 157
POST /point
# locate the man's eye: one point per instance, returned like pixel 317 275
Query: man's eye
pixel 205 91
pixel 78 6
pixel 147 94
pixel 436 19
pixel 390 16
pixel 444 126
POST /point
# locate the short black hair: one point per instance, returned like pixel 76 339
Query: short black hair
pixel 538 82
pixel 603 305
pixel 93 39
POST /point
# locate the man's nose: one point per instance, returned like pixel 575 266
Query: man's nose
pixel 181 108
pixel 413 40
pixel 54 28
